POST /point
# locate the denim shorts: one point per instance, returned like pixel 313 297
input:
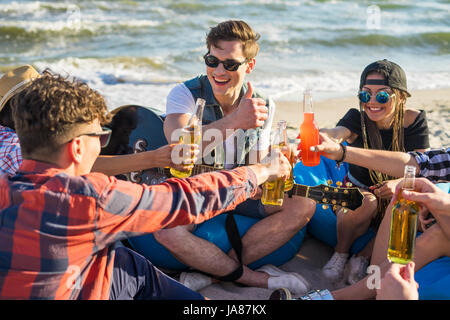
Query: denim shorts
pixel 136 278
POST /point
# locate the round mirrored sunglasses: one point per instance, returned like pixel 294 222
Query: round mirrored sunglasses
pixel 381 97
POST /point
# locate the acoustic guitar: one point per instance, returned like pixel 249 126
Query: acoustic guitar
pixel 137 129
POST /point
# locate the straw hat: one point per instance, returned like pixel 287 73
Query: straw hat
pixel 15 81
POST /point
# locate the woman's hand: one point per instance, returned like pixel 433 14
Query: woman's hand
pixel 385 189
pixel 328 147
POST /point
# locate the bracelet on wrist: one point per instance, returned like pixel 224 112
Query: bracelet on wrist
pixel 344 153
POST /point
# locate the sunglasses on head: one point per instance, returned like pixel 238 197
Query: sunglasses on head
pixel 104 135
pixel 381 97
pixel 230 65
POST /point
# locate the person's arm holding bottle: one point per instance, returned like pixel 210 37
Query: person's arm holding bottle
pixel 431 199
pixel 112 165
pixel 389 162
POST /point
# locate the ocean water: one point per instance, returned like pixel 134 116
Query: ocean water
pixel 134 52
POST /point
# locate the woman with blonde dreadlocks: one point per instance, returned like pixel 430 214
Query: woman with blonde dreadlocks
pixel 384 123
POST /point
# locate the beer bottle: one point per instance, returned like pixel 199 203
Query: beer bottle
pixel 288 153
pixel 273 191
pixel 309 133
pixel 402 237
pixel 191 134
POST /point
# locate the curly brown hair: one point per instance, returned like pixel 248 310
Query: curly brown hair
pixel 47 113
pixel 232 30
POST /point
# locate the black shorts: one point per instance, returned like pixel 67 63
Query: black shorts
pixel 251 208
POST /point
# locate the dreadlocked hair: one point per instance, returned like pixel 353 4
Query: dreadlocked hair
pixel 371 136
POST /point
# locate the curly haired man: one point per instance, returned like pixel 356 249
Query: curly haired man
pixel 60 223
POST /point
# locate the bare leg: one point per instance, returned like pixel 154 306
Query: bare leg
pixel 353 224
pixel 262 238
pixel 360 290
pixel 203 255
pixel 382 239
pixel 269 234
pixel 350 225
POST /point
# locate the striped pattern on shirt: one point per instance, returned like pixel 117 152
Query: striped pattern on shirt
pixel 434 164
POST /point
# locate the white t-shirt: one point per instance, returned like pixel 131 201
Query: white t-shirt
pixel 180 100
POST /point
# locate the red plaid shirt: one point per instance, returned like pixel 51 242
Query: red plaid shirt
pixel 57 231
pixel 10 154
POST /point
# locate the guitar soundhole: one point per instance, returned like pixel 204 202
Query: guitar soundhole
pixel 140 145
pixel 136 177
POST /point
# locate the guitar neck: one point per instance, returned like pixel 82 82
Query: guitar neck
pixel 300 190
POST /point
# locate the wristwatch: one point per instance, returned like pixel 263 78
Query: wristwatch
pixel 318 295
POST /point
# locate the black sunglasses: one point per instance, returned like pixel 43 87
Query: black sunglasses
pixel 230 65
pixel 104 136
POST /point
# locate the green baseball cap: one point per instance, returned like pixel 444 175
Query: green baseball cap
pixel 394 75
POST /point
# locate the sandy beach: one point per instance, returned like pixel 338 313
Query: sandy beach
pixel 314 254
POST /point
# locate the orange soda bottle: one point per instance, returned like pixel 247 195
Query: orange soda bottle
pixel 309 133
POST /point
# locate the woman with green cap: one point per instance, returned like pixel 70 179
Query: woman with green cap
pixel 382 122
